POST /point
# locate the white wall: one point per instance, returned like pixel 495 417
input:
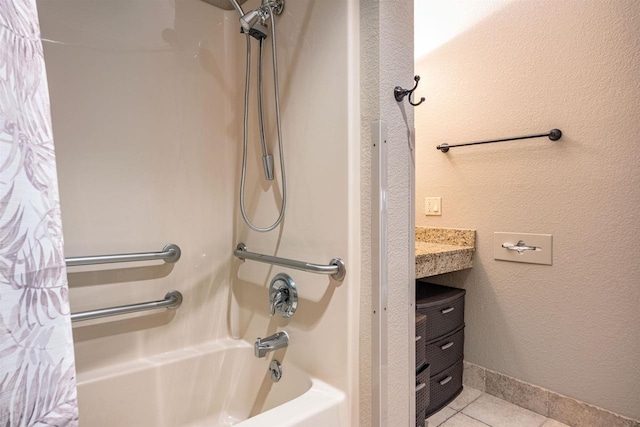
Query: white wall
pixel 147 104
pixel 146 150
pixel 320 129
pixel 520 67
pixel 386 61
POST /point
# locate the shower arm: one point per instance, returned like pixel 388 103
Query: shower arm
pixel 237 7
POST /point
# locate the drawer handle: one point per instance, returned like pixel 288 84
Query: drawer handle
pixel 448 310
pixel 420 386
pixel 418 338
pixel 447 345
pixel 446 380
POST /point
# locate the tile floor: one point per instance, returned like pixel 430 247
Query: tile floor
pixel 473 408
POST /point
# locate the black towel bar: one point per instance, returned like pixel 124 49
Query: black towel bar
pixel 553 134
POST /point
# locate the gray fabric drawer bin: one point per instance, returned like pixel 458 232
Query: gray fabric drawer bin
pixel 444 387
pixel 421 331
pixel 422 395
pixel 446 351
pixel 443 306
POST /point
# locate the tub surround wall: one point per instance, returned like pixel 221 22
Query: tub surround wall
pixel 524 67
pixel 319 113
pixel 147 104
pixel 145 121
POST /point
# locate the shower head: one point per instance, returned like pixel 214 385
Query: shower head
pixel 253 25
pixel 250 19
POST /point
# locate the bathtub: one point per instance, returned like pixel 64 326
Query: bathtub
pixel 216 384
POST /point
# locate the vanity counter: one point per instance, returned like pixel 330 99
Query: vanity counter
pixel 443 250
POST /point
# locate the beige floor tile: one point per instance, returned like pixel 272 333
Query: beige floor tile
pixel 441 416
pixel 467 396
pixel 553 423
pixel 461 420
pixel 499 413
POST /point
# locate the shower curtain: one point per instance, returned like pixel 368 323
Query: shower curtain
pixel 37 370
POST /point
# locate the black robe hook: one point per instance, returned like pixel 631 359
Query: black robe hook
pixel 399 93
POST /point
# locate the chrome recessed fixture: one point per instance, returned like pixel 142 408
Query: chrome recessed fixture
pixel 283 295
pixel 275 370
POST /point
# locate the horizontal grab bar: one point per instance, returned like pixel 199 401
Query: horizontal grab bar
pixel 336 268
pixel 172 301
pixel 170 254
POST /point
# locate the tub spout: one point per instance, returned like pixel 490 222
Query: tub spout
pixel 271 343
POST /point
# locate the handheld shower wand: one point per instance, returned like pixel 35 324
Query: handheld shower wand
pixel 253 24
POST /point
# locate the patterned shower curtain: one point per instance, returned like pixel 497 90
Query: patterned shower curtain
pixel 37 370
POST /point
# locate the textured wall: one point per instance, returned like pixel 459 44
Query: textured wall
pixel 369 111
pixel 386 61
pixel 526 67
pixel 396 68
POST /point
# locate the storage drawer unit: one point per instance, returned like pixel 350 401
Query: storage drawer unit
pixel 444 343
pixel 446 351
pixel 443 306
pixel 422 395
pixel 444 387
pixel 421 325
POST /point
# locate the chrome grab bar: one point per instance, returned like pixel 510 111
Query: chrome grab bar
pixel 170 254
pixel 172 300
pixel 336 268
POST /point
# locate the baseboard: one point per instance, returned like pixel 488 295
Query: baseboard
pixel 542 401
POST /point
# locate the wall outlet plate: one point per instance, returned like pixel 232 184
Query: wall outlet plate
pixel 433 205
pixel 525 247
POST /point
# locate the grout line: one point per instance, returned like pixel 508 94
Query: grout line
pixel 474 399
pixel 480 421
pixel 446 419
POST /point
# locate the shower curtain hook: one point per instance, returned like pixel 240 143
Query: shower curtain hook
pixel 399 93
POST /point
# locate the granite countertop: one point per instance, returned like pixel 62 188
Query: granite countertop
pixel 443 250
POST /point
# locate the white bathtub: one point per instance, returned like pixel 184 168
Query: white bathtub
pixel 218 384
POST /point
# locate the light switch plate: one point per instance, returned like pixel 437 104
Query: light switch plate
pixel 433 205
pixel 543 244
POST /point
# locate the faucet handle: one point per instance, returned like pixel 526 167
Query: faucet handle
pixel 283 295
pixel 277 298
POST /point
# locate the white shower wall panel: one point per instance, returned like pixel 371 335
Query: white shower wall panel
pixel 144 103
pixel 147 103
pixel 319 114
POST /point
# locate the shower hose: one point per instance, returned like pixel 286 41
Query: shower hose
pixel 261 123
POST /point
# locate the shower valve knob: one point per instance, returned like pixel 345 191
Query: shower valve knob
pixel 283 296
